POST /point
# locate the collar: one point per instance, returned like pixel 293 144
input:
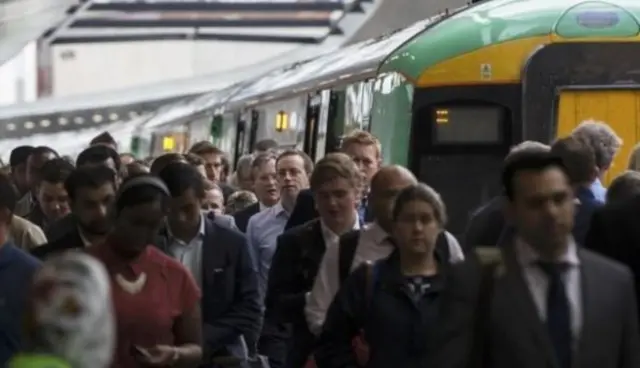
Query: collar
pixel 262 206
pixel 526 255
pixel 278 210
pixel 330 236
pixel 377 234
pixel 85 241
pixel 115 263
pixel 201 229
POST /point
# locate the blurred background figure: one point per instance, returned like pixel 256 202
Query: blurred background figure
pixel 239 201
pixel 70 320
pixel 214 199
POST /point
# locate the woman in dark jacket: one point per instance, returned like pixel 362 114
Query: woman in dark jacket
pixel 414 309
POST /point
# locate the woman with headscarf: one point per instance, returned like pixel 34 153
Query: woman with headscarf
pixel 69 320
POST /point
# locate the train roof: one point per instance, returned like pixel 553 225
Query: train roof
pixel 499 21
pixel 354 62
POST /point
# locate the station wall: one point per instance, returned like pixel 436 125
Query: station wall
pixel 98 67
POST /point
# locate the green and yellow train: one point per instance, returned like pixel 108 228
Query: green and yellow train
pixel 447 97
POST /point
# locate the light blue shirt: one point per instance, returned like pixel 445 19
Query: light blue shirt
pixel 189 254
pixel 263 230
pixel 599 191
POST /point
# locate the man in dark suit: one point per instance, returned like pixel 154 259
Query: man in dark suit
pixel 92 191
pixel 552 303
pixel 263 170
pixel 218 258
pixel 242 217
pixel 614 232
pixel 299 252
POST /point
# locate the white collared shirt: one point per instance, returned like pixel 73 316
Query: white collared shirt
pixel 85 242
pixel 189 254
pixel 332 239
pixel 373 244
pixel 538 281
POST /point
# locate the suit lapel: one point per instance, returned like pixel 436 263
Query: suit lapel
pixel 519 296
pixel 213 253
pixel 588 336
pixel 313 247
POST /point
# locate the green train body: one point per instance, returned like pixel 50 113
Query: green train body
pixel 447 97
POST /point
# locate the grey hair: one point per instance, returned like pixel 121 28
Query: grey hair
pixel 602 138
pixel 243 167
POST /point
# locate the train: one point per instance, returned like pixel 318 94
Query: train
pixel 447 96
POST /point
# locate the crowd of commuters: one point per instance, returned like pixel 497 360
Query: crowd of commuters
pixel 345 262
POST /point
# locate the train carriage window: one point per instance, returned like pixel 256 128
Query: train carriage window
pixel 358 103
pixel 468 124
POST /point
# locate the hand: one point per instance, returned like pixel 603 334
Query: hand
pixel 159 356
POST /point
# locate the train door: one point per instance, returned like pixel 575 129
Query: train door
pixel 314 103
pixel 619 108
pixel 253 129
pixel 458 145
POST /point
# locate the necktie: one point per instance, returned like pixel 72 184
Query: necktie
pixel 558 313
pixel 362 210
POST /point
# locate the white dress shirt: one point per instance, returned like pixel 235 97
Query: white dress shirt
pixel 538 282
pixel 373 244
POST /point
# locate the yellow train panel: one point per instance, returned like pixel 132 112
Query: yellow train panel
pixel 618 108
pixel 500 63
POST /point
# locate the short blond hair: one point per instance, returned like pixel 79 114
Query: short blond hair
pixel 333 166
pixel 364 138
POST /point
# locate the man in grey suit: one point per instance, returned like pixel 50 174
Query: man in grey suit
pixel 547 302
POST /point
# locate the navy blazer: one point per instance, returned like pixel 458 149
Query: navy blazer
pixel 230 302
pixel 242 217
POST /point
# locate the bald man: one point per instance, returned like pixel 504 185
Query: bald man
pixel 370 244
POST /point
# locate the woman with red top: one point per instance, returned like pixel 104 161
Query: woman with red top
pixel 156 301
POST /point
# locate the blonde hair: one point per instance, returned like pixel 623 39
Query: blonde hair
pixel 362 137
pixel 333 166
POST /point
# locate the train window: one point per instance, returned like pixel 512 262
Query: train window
pixel 467 124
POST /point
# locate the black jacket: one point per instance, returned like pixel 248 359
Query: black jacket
pixel 293 270
pixel 242 217
pixel 435 331
pixel 304 210
pixel 230 302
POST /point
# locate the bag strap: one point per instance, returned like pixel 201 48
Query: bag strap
pixel 346 253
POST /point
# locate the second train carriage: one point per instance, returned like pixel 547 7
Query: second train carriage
pixel 447 97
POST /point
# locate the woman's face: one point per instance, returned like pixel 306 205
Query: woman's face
pixel 138 226
pixel 416 228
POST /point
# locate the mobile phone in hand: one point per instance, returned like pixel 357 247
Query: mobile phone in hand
pixel 139 352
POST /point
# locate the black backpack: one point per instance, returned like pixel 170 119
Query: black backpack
pixel 349 243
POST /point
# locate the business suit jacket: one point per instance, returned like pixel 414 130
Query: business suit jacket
pixel 518 338
pixel 304 210
pixel 614 233
pixel 293 270
pixel 70 240
pixel 242 217
pixel 230 303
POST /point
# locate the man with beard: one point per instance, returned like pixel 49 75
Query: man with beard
pixel 91 193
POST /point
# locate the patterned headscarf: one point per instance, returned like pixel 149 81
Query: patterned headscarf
pixel 71 311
